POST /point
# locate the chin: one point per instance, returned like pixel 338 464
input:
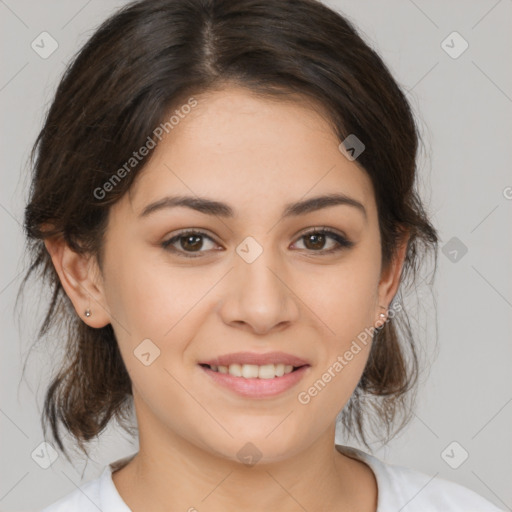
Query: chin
pixel 256 446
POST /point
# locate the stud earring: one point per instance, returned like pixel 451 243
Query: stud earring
pixel 88 313
pixel 383 316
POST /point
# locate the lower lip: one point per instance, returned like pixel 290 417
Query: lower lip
pixel 257 388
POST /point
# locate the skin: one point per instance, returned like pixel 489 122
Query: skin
pixel 256 155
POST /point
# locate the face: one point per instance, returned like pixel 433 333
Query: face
pixel 249 277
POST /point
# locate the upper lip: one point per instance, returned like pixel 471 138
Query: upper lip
pixel 255 358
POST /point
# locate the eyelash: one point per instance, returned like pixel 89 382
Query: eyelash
pixel 343 243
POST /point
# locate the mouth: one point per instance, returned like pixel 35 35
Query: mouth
pixel 255 381
pixel 253 371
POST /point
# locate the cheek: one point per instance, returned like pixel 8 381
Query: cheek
pixel 344 300
pixel 149 297
pixel 337 374
pixel 151 300
pixel 344 296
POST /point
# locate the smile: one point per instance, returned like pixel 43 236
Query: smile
pixel 253 381
pixel 253 371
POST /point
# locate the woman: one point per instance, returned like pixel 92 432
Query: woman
pixel 224 204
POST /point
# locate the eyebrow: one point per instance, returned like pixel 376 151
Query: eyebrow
pixel 217 208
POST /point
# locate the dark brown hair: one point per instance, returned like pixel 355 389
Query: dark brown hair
pixel 145 61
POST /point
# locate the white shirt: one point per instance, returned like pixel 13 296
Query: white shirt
pixel 399 489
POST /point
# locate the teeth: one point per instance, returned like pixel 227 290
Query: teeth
pixel 252 371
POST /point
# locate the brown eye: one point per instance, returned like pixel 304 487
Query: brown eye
pixel 187 242
pixel 316 240
pixel 191 242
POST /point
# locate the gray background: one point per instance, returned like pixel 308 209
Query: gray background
pixel 464 106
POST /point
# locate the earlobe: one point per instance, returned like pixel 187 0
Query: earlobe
pixel 390 278
pixel 81 280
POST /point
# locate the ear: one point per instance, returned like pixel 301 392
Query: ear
pixel 81 279
pixel 390 278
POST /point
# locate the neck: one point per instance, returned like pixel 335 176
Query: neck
pixel 171 471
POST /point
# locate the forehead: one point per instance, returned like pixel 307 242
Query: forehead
pixel 252 152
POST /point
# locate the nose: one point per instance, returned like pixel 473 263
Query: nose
pixel 259 296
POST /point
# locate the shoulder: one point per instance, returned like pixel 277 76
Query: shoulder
pixel 419 491
pixel 85 498
pixel 409 490
pixel 98 494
